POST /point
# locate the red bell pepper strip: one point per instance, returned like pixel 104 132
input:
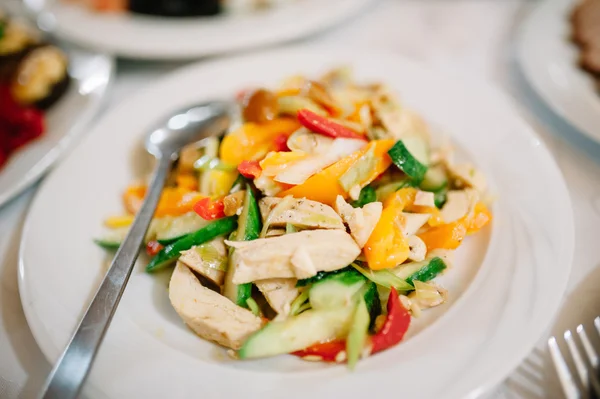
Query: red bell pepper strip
pixel 249 169
pixel 153 247
pixel 392 332
pixel 321 125
pixel 324 352
pixel 209 209
pixel 280 143
pixel 395 326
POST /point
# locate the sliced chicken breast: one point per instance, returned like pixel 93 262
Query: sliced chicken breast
pixel 302 213
pixel 361 221
pixel 279 293
pixel 207 313
pixel 296 255
pixel 208 260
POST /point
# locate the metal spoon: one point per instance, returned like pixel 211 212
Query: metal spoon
pixel 185 127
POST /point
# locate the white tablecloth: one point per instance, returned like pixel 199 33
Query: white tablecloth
pixel 465 37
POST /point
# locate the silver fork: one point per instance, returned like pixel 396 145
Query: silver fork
pixel 585 363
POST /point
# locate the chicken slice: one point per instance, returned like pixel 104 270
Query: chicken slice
pixel 296 255
pixel 466 175
pixel 424 198
pixel 361 221
pixel 207 313
pixel 208 260
pixel 412 222
pixel 279 292
pixel 302 213
pixel 458 204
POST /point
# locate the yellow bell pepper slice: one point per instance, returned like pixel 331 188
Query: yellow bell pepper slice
pixel 253 141
pixel 218 182
pixel 115 222
pixel 387 247
pixel 276 162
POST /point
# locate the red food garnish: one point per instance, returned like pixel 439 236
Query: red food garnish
pixel 250 169
pixel 153 248
pixel 280 143
pixel 321 125
pixel 209 209
pixel 18 125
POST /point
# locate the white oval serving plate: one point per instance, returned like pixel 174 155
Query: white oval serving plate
pixel 549 62
pixel 91 74
pixel 504 288
pixel 144 37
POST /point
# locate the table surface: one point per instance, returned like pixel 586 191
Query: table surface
pixel 465 37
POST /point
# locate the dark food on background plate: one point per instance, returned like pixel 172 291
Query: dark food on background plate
pixel 585 21
pixel 171 8
pixel 33 76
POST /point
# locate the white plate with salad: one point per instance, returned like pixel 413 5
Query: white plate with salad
pixel 389 241
pixel 189 29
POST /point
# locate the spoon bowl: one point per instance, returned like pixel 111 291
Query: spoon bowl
pixel 188 126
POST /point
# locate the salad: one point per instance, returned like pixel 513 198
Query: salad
pixel 315 227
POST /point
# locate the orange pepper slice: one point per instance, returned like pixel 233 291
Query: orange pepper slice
pixel 187 181
pixel 324 186
pixel 276 162
pixel 252 141
pixel 481 217
pixel 387 247
pixel 174 201
pixel 445 236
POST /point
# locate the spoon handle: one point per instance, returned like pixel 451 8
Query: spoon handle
pixel 69 373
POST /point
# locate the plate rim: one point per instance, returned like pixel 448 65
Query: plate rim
pixel 537 13
pixel 41 12
pixel 568 251
pixel 71 136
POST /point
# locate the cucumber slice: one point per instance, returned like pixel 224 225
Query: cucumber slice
pixel 384 278
pixel 336 290
pixel 422 271
pixel 418 147
pixel 373 302
pixel 112 239
pixel 439 198
pixel 358 333
pixel 299 332
pixel 249 228
pixel 367 195
pixel 435 179
pixel 320 276
pixel 171 252
pixel 407 162
pixel 170 230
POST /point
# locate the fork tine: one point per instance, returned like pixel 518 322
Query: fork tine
pixel 597 324
pixel 587 346
pixel 564 375
pixel 579 364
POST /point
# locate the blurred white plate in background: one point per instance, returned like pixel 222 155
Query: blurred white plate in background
pixel 549 62
pixel 137 36
pixel 91 74
pixel 504 288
